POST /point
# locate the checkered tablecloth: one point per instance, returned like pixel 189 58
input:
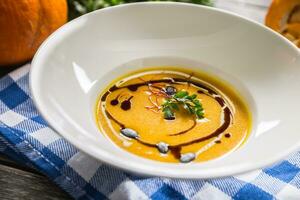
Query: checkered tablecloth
pixel 26 137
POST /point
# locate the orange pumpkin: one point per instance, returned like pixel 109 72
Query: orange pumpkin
pixel 25 24
pixel 284 17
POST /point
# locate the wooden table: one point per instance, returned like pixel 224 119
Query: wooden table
pixel 20 182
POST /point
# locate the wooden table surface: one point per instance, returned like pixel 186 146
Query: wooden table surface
pixel 20 182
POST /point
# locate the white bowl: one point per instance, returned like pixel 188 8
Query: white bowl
pixel 81 58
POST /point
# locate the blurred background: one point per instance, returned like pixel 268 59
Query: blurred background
pixel 25 24
pixel 253 9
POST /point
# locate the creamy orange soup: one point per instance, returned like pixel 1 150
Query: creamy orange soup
pixel 173 115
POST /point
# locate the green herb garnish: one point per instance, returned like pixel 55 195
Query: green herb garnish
pixel 183 99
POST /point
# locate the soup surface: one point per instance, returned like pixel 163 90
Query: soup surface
pixel 173 115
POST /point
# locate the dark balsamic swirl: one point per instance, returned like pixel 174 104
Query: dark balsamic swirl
pixel 175 149
pixel 126 105
pixel 184 131
pixel 116 121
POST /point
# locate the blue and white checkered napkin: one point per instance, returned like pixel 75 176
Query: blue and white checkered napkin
pixel 25 137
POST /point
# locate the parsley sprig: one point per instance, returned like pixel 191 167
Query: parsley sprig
pixel 182 98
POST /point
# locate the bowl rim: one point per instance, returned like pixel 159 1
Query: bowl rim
pixel 143 168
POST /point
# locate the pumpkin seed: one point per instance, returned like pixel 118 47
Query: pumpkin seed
pixel 163 147
pixel 187 157
pixel 129 133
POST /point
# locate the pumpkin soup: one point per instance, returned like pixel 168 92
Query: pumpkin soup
pixel 172 115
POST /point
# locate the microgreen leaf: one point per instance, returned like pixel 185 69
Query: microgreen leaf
pixel 182 98
pixel 193 96
pixel 168 113
pixel 199 114
pixel 181 94
pixel 174 106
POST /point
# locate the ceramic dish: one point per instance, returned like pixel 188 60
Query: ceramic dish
pixel 79 60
